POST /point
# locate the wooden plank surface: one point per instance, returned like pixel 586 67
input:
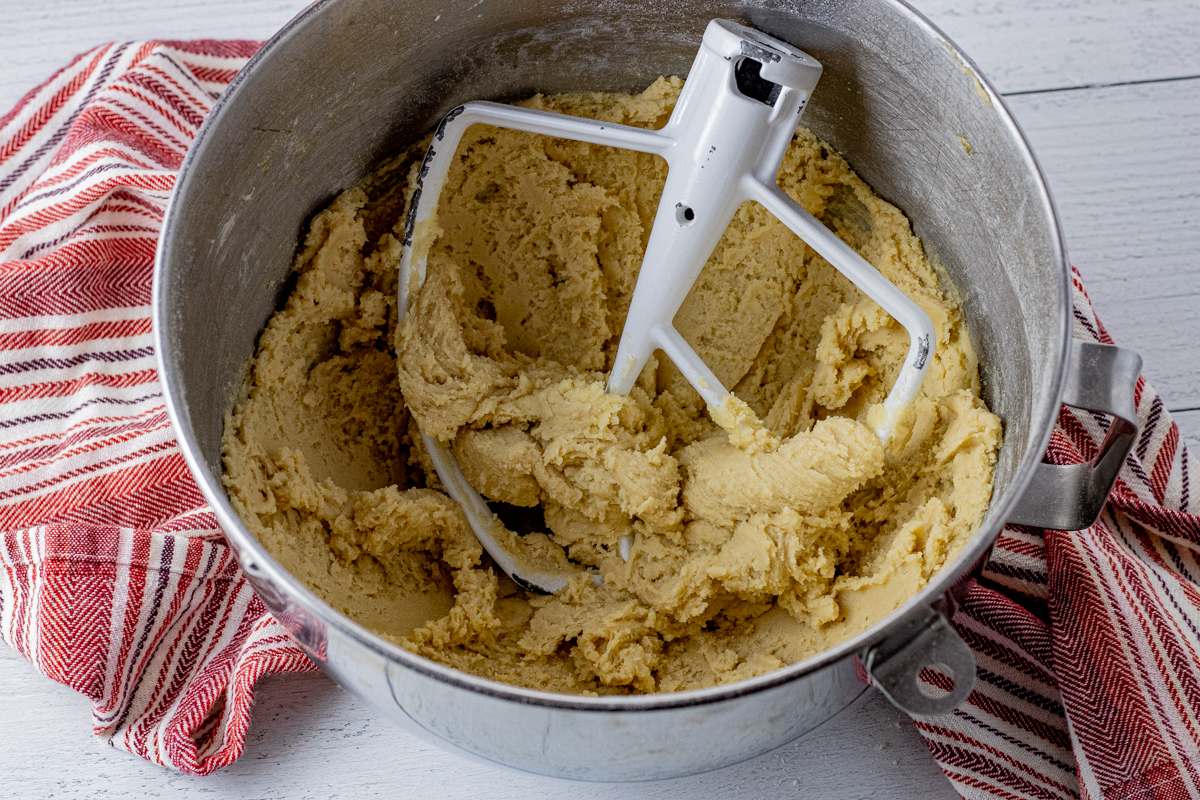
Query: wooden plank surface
pixel 1122 161
pixel 1039 45
pixel 1189 427
pixel 309 739
pixel 41 36
pixel 1124 167
pixel 1032 45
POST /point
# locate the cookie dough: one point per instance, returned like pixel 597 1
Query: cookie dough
pixel 749 553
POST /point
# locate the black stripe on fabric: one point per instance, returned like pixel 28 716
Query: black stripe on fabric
pixel 1101 419
pixel 1037 606
pixel 110 357
pixel 1068 768
pixel 160 588
pixel 1177 560
pixel 1149 427
pixel 165 55
pixel 1085 322
pixel 57 137
pixel 1184 499
pixel 1018 658
pixel 1136 467
pixel 49 244
pixel 12 423
pixel 1020 573
pixel 1167 591
pixel 70 187
pixel 1020 692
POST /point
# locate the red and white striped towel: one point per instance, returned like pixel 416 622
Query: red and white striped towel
pixel 115 580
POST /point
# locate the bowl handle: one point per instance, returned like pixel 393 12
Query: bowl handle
pixel 1100 377
pixel 927 641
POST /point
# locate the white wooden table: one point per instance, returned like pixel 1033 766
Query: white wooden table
pixel 1108 91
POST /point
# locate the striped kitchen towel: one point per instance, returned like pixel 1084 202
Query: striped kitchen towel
pixel 115 580
pixel 1087 644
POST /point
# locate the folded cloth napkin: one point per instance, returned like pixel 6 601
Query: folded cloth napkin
pixel 114 578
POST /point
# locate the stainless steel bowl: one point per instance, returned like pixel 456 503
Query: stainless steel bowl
pixel 348 80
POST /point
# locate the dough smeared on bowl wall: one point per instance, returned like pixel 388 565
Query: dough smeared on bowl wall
pixel 746 558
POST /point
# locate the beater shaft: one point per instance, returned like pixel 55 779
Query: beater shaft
pixel 723 145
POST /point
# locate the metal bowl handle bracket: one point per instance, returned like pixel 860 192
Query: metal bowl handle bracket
pixel 1100 377
pixel 928 641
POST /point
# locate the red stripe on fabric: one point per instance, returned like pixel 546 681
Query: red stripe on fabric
pixel 1077 281
pixel 171 135
pixel 113 483
pixel 992 767
pixel 1162 783
pixel 146 507
pixel 1085 447
pixel 1177 525
pixel 128 633
pixel 214 75
pixel 138 729
pixel 153 209
pixel 239 698
pixel 178 100
pixel 213 48
pixel 988 789
pixel 83 253
pixel 75 633
pixel 83 426
pixel 1010 619
pixel 108 282
pixel 44 153
pixel 215 617
pixel 1160 474
pixel 22 575
pixel 1002 652
pixel 947 732
pixel 113 120
pixel 1020 546
pixel 1095 676
pixel 82 164
pixel 185 83
pixel 26 98
pixel 64 337
pixel 57 264
pixel 65 388
pixel 1167 650
pixel 159 701
pixel 193 521
pixel 1031 726
pixel 50 107
pixel 77 202
pixel 42 457
pixel 259 661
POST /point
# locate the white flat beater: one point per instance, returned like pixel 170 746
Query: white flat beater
pixel 723 145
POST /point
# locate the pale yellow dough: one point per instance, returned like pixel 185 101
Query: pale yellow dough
pixel 749 553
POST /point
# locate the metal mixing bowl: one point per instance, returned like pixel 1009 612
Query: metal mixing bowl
pixel 346 82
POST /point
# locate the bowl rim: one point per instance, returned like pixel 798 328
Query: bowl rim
pixel 261 566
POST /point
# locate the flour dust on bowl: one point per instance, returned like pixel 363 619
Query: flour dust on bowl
pixel 312 115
